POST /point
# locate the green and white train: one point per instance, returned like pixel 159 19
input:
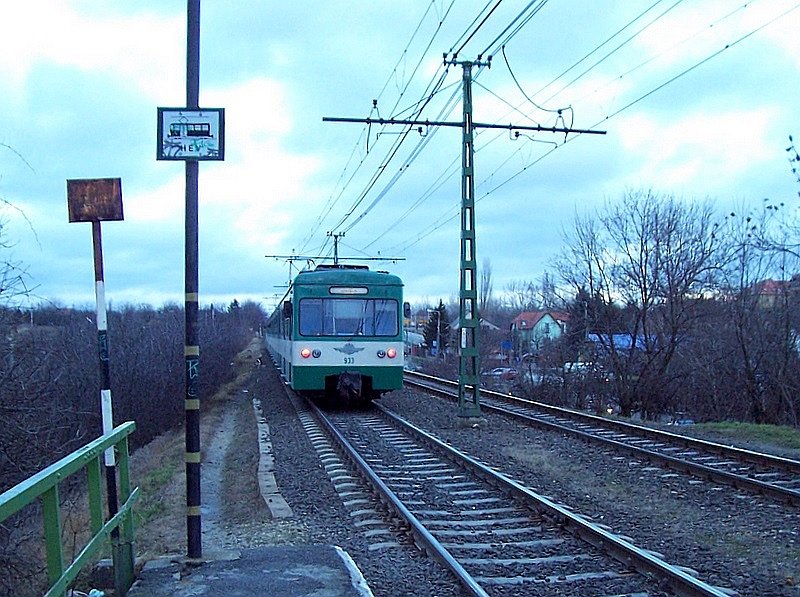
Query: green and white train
pixel 339 333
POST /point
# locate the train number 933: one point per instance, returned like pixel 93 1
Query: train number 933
pixel 338 333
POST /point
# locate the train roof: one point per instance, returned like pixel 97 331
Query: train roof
pixel 346 274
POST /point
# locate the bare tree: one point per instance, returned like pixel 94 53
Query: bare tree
pixel 13 276
pixel 763 311
pixel 533 295
pixel 49 391
pixel 522 296
pixel 485 289
pixel 654 256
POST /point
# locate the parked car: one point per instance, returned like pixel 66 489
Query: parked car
pixel 504 373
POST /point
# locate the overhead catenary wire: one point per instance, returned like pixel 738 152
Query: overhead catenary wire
pixel 392 153
pixel 415 153
pixel 334 197
pixel 469 36
pixel 581 60
pixel 524 16
pixel 417 150
pixel 517 109
pixel 450 171
pixel 508 179
pixel 616 48
pixel 700 63
pixel 452 212
pixel 522 19
pixel 598 47
pixel 333 200
pixel 672 48
pixel 451 104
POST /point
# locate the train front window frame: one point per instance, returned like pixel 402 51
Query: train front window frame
pixel 349 317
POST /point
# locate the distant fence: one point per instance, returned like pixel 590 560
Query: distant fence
pixel 44 485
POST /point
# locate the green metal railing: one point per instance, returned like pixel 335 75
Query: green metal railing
pixel 44 485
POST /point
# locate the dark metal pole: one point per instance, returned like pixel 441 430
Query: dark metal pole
pixel 191 305
pixel 439 332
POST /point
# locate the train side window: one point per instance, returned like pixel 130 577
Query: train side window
pixel 385 318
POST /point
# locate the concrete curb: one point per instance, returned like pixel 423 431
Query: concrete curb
pixel 277 505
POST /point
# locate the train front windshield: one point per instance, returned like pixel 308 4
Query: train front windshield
pixel 348 317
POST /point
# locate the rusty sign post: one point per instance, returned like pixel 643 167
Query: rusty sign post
pixel 96 200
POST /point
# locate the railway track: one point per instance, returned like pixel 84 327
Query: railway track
pixel 495 535
pixel 769 475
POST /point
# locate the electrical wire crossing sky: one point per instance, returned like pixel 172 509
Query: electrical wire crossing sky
pixel 698 100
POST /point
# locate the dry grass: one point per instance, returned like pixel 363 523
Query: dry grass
pixel 158 469
pixel 536 459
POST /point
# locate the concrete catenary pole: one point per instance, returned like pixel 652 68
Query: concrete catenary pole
pixel 469 318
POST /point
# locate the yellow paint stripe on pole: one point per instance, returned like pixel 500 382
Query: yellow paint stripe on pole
pixel 193 511
pixel 193 457
pixel 192 404
pixel 192 297
pixel 191 351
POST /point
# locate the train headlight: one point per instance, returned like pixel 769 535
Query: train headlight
pixel 305 353
pixel 316 353
pixel 381 354
pixel 391 353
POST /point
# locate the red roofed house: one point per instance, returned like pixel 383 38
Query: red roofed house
pixel 530 330
pixel 771 292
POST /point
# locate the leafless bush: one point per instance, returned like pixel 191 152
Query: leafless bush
pixel 50 387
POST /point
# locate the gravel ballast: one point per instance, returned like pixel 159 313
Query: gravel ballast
pixel 732 539
pixel 319 513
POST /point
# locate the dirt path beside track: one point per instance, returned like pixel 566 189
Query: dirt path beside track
pixel 233 510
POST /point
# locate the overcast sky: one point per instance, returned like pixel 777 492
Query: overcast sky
pixel 698 98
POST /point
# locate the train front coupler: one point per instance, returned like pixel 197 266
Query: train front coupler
pixel 349 385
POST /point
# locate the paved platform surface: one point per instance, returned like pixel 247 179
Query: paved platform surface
pixel 280 571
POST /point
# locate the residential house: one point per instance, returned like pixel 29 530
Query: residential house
pixel 773 293
pixel 413 343
pixel 531 330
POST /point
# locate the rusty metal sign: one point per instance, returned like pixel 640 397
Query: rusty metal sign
pixel 94 199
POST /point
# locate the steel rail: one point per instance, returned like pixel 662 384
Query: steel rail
pixel 692 442
pixel 421 534
pixel 783 493
pixel 641 560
